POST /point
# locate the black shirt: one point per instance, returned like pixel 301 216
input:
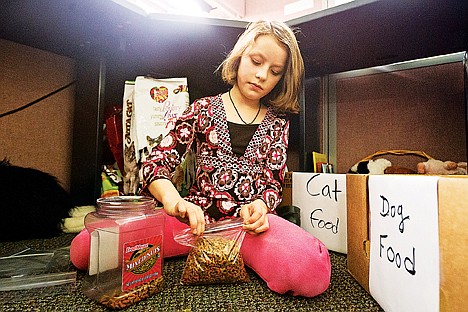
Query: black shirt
pixel 240 136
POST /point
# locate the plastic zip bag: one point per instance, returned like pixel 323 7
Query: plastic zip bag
pixel 215 255
pixel 29 273
pixel 27 262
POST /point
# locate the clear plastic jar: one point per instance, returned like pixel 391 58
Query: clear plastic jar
pixel 125 263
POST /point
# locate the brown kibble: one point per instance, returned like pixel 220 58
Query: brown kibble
pixel 214 260
pixel 120 300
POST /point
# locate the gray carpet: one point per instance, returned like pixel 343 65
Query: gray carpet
pixel 344 293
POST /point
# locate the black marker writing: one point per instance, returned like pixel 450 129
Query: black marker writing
pixel 395 257
pixel 326 191
pixel 392 211
pixel 322 224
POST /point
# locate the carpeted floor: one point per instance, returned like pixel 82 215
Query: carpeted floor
pixel 344 293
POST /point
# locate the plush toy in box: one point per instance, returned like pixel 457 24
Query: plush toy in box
pixel 432 166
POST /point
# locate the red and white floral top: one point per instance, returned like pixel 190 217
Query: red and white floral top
pixel 223 181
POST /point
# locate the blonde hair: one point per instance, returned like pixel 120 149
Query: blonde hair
pixel 285 96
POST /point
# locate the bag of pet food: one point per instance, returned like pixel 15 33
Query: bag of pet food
pixel 130 174
pixel 150 109
pixel 215 255
pixel 158 104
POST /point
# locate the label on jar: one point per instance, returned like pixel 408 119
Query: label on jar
pixel 142 262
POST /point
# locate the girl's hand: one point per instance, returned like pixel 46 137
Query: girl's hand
pixel 255 217
pixel 188 213
pixel 165 192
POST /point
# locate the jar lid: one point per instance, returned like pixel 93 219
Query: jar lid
pixel 121 204
pixel 130 199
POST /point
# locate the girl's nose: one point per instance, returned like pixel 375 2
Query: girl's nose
pixel 261 73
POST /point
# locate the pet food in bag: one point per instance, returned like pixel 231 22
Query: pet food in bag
pixel 215 257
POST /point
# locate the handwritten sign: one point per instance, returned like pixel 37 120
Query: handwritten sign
pixel 404 253
pixel 322 201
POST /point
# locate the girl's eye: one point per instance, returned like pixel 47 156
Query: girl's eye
pixel 275 73
pixel 256 62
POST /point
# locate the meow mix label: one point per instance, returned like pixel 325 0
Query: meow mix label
pixel 142 262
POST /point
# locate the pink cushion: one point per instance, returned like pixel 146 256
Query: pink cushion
pixel 288 259
pixel 79 250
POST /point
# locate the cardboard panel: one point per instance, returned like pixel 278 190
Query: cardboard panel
pixel 358 228
pixel 453 243
pixel 41 135
pixel 404 258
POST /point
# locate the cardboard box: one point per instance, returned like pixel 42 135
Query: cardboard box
pixel 321 198
pixel 451 195
pixel 358 228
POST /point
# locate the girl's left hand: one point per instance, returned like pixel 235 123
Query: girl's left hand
pixel 255 217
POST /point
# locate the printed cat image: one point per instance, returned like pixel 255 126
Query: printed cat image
pixel 130 177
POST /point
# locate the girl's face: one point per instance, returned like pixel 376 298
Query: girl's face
pixel 261 67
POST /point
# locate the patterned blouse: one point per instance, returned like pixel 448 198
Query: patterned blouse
pixel 223 181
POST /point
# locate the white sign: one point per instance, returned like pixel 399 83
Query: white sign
pixel 404 253
pixel 321 197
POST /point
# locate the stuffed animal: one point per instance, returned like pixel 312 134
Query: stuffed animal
pixel 377 166
pixel 399 170
pixel 434 166
pixel 303 260
pixel 75 222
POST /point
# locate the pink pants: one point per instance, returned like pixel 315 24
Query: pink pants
pixel 286 257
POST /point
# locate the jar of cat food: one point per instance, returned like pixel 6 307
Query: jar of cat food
pixel 125 262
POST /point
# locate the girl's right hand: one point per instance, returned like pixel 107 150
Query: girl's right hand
pixel 188 213
pixel 174 205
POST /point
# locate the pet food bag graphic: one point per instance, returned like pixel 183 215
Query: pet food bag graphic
pixel 150 109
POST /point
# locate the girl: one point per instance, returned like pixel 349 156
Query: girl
pixel 239 139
